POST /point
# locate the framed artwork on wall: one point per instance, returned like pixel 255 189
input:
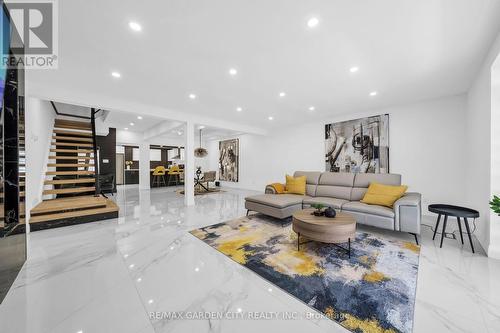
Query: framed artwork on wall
pixel 229 155
pixel 358 146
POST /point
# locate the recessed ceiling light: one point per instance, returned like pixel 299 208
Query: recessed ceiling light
pixel 126 128
pixel 282 94
pixel 192 96
pixel 116 74
pixel 312 108
pixel 312 22
pixel 179 133
pixel 354 69
pixel 201 127
pixel 150 301
pixel 239 109
pixel 132 124
pixel 139 117
pixel 270 117
pixel 135 26
pixel 233 71
pixel 373 93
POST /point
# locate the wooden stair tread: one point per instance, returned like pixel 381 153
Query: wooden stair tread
pixel 72 144
pixel 71 138
pixel 77 213
pixel 76 157
pixel 70 165
pixel 69 181
pixel 68 173
pixel 72 124
pixel 73 133
pixel 75 151
pixel 69 190
pixel 62 204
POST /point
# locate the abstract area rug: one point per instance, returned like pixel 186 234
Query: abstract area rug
pixel 374 291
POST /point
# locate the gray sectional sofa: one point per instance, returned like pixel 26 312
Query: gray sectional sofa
pixel 343 191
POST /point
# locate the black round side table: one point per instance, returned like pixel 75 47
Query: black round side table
pixel 453 211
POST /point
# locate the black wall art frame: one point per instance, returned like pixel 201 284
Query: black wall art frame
pixel 229 154
pixel 358 146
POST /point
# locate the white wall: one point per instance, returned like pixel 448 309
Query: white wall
pixel 39 125
pixel 478 150
pixel 426 147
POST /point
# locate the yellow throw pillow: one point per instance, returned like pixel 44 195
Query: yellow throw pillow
pixel 295 185
pixel 383 195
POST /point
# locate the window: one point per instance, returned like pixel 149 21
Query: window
pixel 155 155
pixel 135 154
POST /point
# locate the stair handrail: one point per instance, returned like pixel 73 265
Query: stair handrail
pixel 93 111
pixel 66 114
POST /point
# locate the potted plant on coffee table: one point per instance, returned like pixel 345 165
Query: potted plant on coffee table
pixel 319 209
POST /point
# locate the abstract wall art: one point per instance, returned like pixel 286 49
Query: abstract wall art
pixel 229 160
pixel 358 146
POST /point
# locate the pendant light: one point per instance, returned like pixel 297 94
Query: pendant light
pixel 200 152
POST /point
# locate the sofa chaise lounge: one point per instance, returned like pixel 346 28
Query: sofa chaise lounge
pixel 343 191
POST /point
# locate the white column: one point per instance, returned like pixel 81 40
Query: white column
pixel 189 164
pixel 144 167
pixel 494 246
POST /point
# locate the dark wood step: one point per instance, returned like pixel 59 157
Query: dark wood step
pixel 69 190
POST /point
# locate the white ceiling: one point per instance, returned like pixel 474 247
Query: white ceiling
pixel 406 50
pixel 122 120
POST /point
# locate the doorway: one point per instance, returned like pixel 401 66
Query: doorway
pixel 120 169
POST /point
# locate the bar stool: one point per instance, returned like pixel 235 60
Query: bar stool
pixel 159 175
pixel 173 174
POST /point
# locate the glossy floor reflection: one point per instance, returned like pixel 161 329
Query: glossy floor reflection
pixel 112 276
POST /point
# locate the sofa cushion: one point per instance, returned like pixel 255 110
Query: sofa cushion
pixel 277 200
pixel 363 180
pixel 295 185
pixel 383 195
pixel 312 179
pixel 330 202
pixel 335 185
pixel 356 206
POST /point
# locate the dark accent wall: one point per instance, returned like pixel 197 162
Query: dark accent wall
pixel 12 173
pixel 129 155
pixel 107 151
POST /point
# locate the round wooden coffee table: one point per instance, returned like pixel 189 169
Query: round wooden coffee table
pixel 337 230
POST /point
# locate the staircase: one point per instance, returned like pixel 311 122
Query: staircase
pixel 70 195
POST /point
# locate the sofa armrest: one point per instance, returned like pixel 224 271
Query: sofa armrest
pixel 408 212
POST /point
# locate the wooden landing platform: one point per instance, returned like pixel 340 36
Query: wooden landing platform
pixel 72 210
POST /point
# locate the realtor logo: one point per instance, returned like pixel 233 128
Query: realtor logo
pixel 34 32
